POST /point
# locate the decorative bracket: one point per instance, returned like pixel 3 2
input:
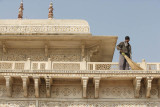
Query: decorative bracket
pixel 93 50
pixel 9 82
pixel 36 86
pixel 25 80
pixel 83 49
pixel 96 81
pixel 4 47
pixel 48 86
pixel 46 50
pixel 137 86
pixel 148 84
pixel 84 82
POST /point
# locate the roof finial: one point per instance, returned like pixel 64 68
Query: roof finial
pixel 20 14
pixel 50 14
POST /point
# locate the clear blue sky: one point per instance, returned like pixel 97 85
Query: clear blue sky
pixel 140 19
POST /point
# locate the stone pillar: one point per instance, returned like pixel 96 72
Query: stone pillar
pixel 84 82
pixel 48 86
pixel 9 82
pixel 25 80
pixel 137 86
pixel 96 81
pixel 83 65
pixel 143 64
pixel 28 64
pixel 36 86
pixel 49 64
pixel 148 84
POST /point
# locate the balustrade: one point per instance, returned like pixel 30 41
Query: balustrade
pixel 51 65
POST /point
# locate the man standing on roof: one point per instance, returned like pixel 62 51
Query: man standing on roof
pixel 124 47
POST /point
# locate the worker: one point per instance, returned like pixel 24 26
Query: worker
pixel 124 47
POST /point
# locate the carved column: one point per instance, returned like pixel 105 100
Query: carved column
pixel 25 80
pixel 36 86
pixel 137 86
pixel 84 82
pixel 48 86
pixel 9 85
pixel 28 64
pixel 148 84
pixel 96 81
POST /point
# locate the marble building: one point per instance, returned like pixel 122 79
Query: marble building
pixel 59 63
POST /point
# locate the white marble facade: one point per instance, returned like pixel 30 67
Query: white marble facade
pixel 61 64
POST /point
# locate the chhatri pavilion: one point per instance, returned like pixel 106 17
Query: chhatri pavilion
pixel 59 63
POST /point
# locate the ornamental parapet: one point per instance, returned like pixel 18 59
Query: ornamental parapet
pixel 52 65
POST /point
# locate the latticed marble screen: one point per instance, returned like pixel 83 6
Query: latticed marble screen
pixel 107 67
pixel 66 66
pixel 72 55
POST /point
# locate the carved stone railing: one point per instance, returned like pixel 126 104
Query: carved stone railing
pixel 13 65
pixel 153 66
pixel 102 66
pixel 52 65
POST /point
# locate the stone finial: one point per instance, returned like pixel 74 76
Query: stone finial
pixel 50 14
pixel 20 14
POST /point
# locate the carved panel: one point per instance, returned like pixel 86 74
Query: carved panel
pixel 17 91
pixel 17 104
pixel 90 91
pixel 3 91
pixel 116 92
pixel 35 66
pixel 154 91
pixel 23 54
pixel 42 91
pixel 65 91
pixel 6 65
pixel 98 104
pixel 66 66
pixel 103 67
pixel 65 54
pixel 31 91
pixel 39 55
pixel 44 29
pixel 107 67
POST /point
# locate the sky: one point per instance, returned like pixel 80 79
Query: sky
pixel 140 19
